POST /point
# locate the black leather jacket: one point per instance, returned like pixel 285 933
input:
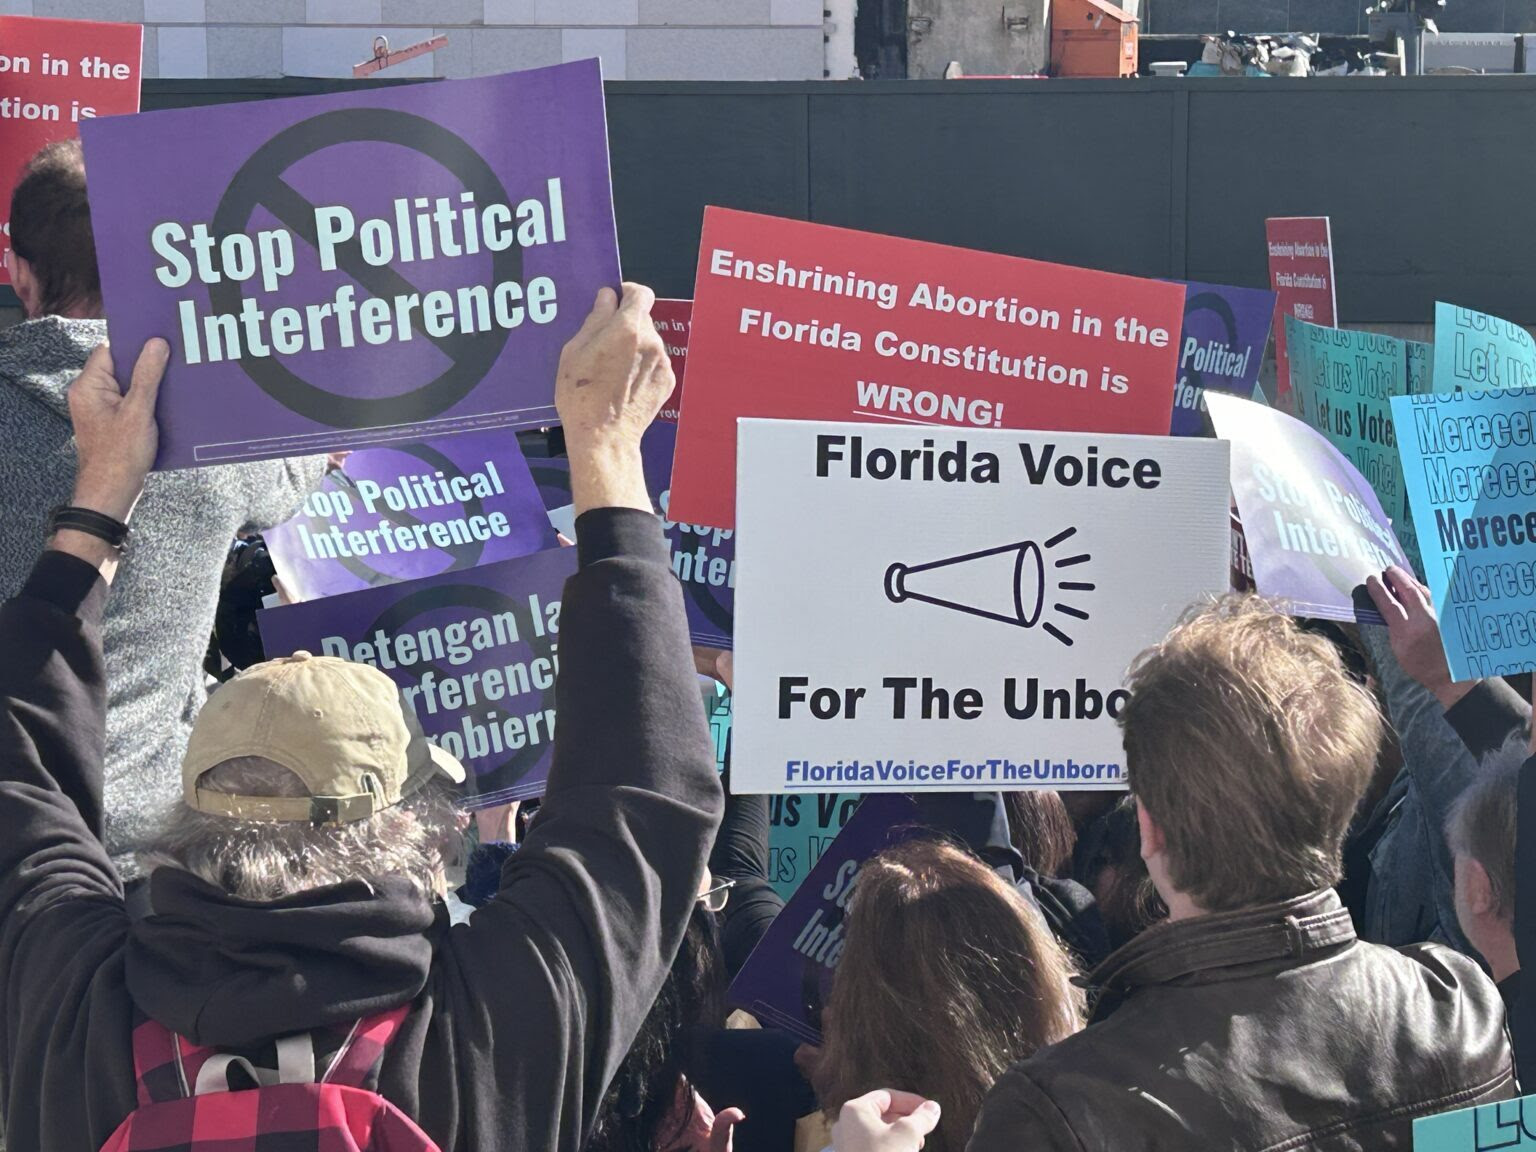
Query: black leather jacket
pixel 1267 1029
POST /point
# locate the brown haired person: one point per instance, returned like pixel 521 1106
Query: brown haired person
pixel 949 974
pixel 161 613
pixel 1253 1018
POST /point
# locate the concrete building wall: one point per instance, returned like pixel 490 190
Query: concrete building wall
pixel 985 39
pixel 637 39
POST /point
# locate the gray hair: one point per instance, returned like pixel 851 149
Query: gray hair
pixel 265 860
pixel 1481 823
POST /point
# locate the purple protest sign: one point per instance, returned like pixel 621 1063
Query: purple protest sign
pixel 349 270
pixel 785 981
pixel 412 510
pixel 475 655
pixel 703 559
pixel 1226 330
pixel 551 469
pixel 1314 529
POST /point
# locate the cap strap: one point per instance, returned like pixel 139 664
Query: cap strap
pixel 296 809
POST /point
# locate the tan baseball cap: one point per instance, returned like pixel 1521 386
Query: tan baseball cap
pixel 339 727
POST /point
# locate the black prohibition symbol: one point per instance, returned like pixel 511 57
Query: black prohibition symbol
pixel 460 556
pixel 259 184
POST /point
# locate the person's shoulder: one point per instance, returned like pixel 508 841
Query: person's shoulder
pixel 1439 970
pixel 1437 963
pixel 1436 1010
pixel 1443 994
pixel 1022 1112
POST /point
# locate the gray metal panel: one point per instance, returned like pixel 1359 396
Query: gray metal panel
pixel 1054 169
pixel 1424 181
pixel 673 154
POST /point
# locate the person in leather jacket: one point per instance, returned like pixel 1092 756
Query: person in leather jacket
pixel 1253 1018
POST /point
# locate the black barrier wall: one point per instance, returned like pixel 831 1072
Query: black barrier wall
pixel 1427 179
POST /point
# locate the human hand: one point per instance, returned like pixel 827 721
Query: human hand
pixel 884 1121
pixel 115 431
pixel 714 662
pixel 497 825
pixel 724 1127
pixel 613 378
pixel 1409 611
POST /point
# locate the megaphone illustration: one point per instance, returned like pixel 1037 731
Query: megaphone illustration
pixel 1012 584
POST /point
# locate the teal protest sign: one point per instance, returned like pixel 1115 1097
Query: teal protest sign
pixel 1470 464
pixel 1507 1124
pixel 1421 364
pixel 801 829
pixel 1343 383
pixel 1475 351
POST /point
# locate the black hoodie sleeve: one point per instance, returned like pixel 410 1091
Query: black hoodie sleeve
pixel 65 1030
pixel 1485 716
pixel 547 986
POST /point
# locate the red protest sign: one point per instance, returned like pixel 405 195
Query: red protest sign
pixel 1301 276
pixel 672 318
pixel 53 74
pixel 804 321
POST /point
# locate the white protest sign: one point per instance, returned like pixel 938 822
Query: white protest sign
pixel 933 609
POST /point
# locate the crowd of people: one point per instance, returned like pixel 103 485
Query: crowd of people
pixel 1302 929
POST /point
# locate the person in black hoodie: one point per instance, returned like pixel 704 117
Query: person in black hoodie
pixel 517 1021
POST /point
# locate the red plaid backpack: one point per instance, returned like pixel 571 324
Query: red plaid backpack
pixel 186 1103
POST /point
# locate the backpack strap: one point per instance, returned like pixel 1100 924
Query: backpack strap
pixel 357 1063
pixel 170 1067
pixel 295 1065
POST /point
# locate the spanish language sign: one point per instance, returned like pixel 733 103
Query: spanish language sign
pixel 1301 273
pixel 803 321
pixel 786 980
pixel 412 510
pixel 373 266
pixel 1222 346
pixel 1313 527
pixel 1505 1125
pixel 1470 463
pixel 1343 383
pixel 1475 352
pixel 475 654
pixel 972 626
pixel 54 74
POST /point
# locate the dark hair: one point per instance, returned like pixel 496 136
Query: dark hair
pixel 51 228
pixel 640 1111
pixel 1109 865
pixel 948 976
pixel 1041 829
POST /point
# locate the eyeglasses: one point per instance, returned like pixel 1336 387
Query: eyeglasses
pixel 714 899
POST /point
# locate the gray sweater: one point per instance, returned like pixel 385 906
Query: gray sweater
pixel 160 614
